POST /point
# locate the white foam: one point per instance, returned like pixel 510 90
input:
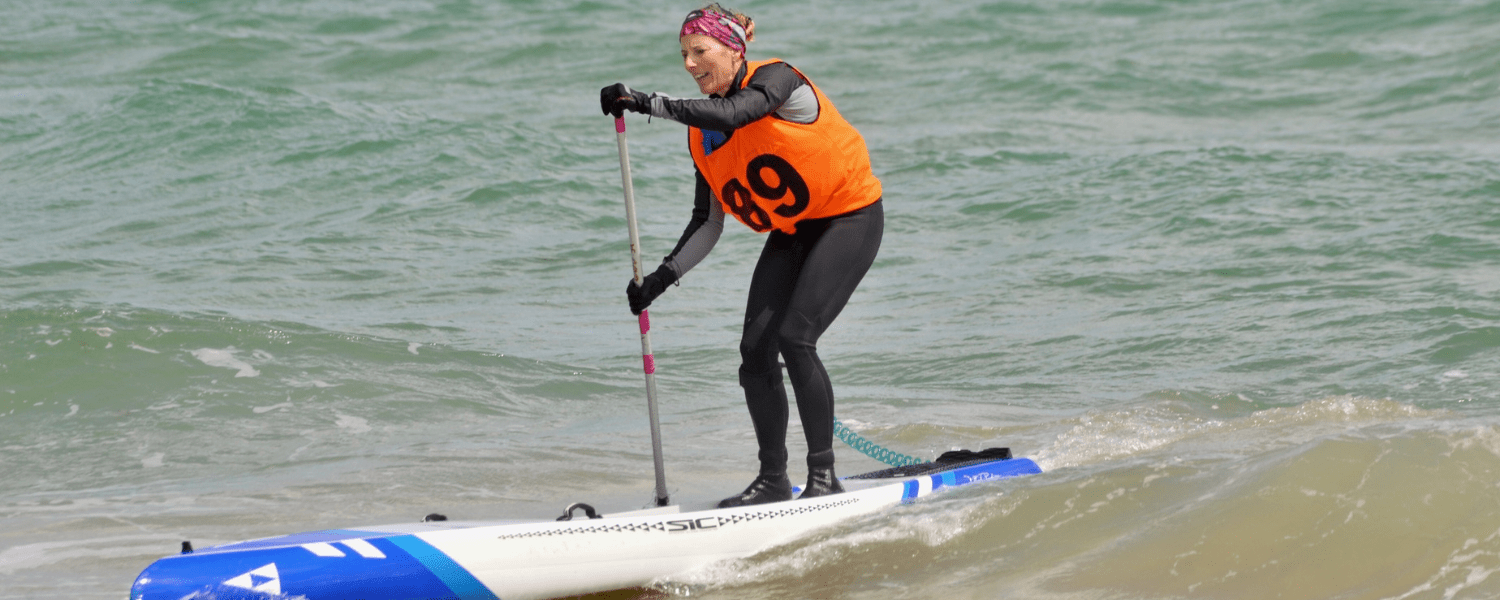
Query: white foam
pixel 309 383
pixel 412 347
pixel 225 358
pixel 1101 436
pixel 934 524
pixel 153 461
pixel 1472 564
pixel 265 409
pixel 353 424
pixel 31 556
pixel 1485 437
pixel 135 346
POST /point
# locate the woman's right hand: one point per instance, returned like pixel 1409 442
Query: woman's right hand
pixel 618 98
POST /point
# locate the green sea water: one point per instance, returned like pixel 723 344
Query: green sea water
pixel 1229 271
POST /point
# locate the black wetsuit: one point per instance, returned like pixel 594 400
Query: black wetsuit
pixel 802 281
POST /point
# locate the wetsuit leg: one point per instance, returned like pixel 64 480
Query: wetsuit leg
pixel 760 371
pixel 801 284
pixel 765 396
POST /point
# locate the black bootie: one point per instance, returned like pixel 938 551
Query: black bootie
pixel 820 478
pixel 766 488
pixel 821 482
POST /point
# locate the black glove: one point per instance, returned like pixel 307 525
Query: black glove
pixel 618 98
pixel 651 286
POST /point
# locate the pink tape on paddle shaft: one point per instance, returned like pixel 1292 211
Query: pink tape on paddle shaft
pixel 645 321
pixel 619 124
pixel 650 363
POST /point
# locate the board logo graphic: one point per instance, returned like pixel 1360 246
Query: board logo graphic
pixel 264 579
pixel 693 524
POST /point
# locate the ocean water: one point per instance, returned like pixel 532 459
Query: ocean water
pixel 1229 271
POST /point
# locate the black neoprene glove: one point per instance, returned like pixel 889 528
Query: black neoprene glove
pixel 651 286
pixel 618 98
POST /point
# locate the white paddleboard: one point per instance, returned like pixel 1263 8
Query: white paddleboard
pixel 524 560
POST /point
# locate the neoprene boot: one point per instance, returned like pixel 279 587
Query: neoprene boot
pixel 821 481
pixel 765 489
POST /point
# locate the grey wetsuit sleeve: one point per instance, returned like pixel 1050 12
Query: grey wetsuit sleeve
pixel 702 232
pixel 801 106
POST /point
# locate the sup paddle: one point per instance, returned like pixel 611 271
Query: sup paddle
pixel 647 359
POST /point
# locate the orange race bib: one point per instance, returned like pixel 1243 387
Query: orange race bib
pixel 773 173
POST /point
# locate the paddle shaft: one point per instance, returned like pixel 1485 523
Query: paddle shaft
pixel 648 360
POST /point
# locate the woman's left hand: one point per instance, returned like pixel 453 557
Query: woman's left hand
pixel 651 286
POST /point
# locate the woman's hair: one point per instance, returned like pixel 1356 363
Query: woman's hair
pixel 735 29
pixel 746 23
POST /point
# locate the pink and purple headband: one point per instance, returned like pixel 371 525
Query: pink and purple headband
pixel 717 26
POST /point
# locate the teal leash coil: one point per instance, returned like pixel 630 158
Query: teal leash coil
pixel 873 450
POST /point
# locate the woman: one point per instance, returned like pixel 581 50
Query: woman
pixel 771 150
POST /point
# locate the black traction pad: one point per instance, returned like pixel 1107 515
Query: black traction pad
pixel 950 460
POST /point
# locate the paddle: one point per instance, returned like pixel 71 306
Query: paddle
pixel 647 358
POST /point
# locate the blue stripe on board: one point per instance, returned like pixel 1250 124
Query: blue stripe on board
pixel 942 480
pixel 458 579
pixel 910 493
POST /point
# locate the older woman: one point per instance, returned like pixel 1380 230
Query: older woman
pixel 773 151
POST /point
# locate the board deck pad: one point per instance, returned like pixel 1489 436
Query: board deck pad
pixel 949 461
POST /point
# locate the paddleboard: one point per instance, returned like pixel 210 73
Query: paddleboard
pixel 534 559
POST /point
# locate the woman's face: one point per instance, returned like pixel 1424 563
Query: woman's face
pixel 712 64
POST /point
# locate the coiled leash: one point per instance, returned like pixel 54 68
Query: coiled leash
pixel 872 449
